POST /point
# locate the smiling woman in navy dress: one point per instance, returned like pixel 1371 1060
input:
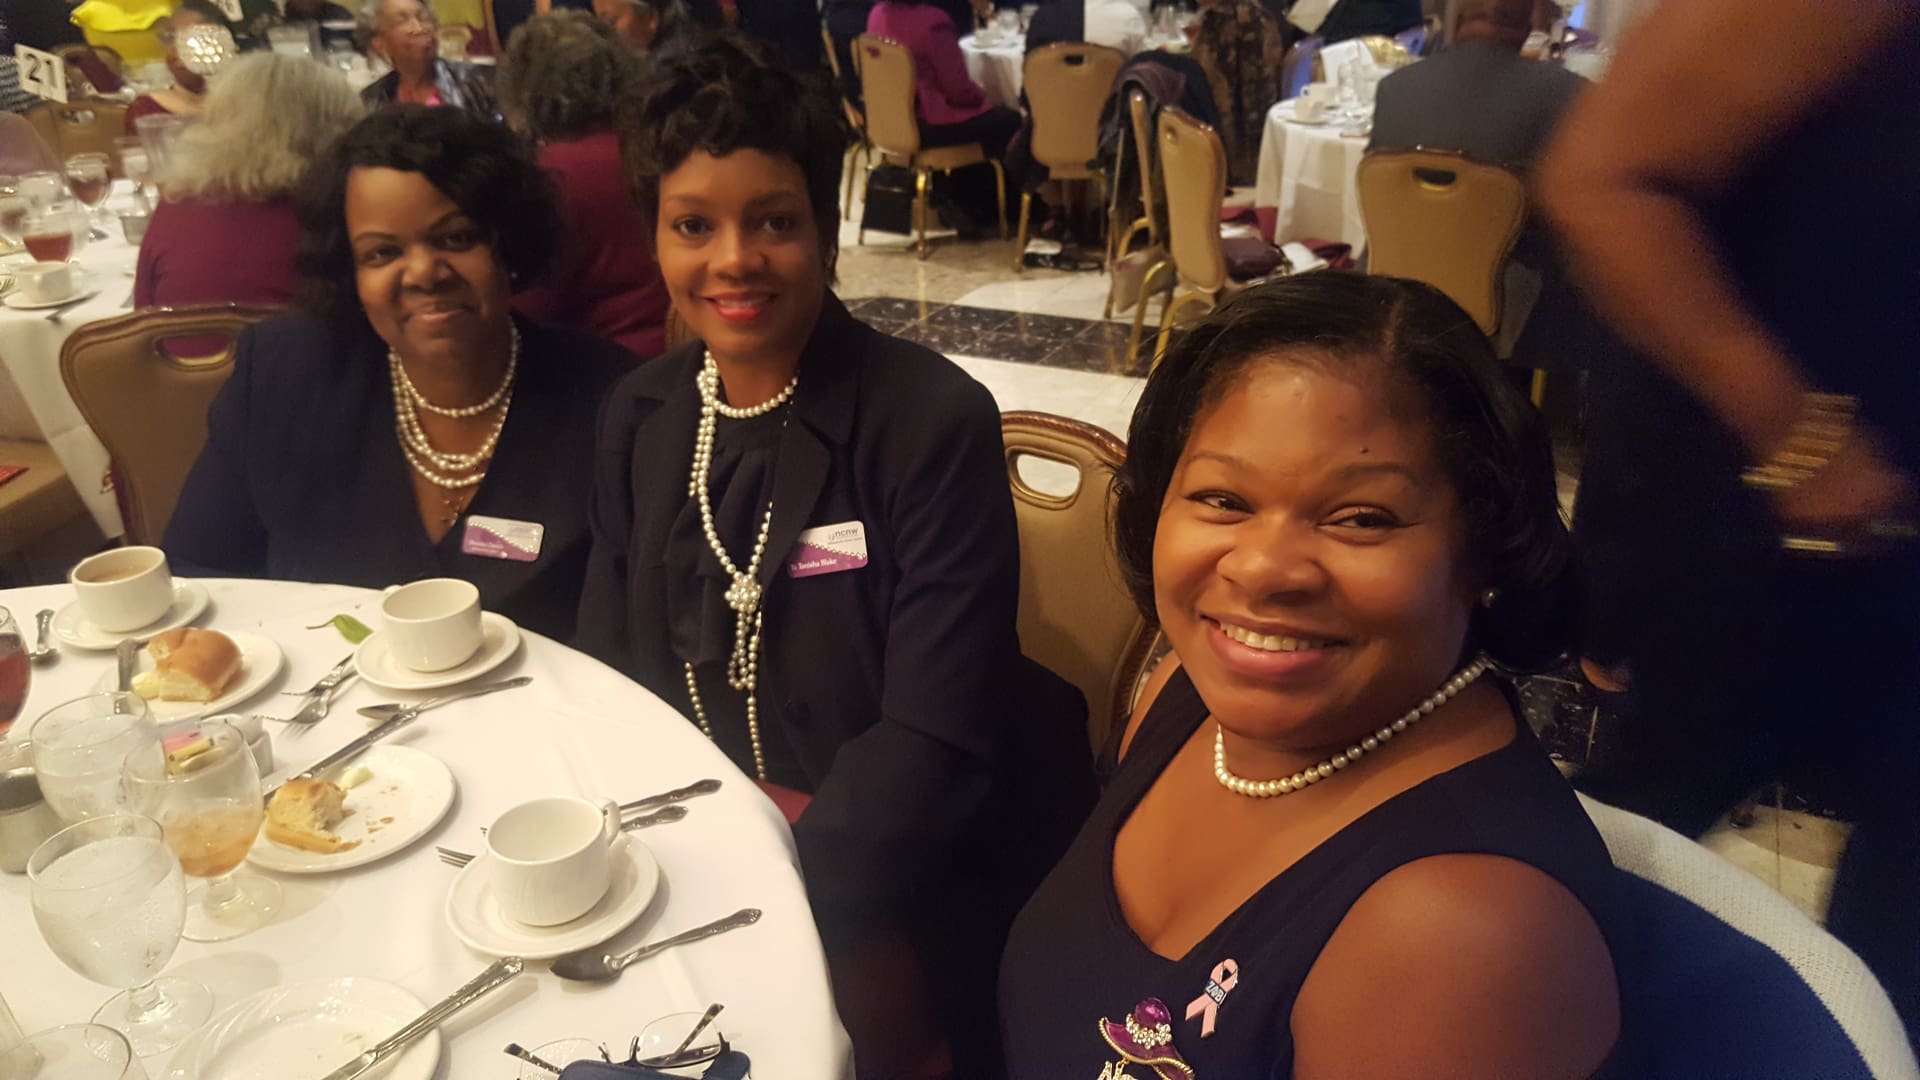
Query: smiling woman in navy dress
pixel 394 433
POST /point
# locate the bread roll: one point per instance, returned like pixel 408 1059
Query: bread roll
pixel 189 664
pixel 303 813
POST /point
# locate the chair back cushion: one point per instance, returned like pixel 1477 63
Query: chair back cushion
pixel 1297 69
pixel 81 127
pixel 1075 616
pixel 1193 171
pixel 149 408
pixel 1068 85
pixel 886 90
pixel 1442 218
pixel 1723 976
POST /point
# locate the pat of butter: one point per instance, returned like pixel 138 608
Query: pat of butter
pixel 354 777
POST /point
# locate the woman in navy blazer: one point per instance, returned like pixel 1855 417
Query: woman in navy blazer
pixel 360 444
pixel 869 541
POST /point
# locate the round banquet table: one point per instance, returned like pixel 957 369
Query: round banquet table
pixel 998 68
pixel 1305 187
pixel 579 729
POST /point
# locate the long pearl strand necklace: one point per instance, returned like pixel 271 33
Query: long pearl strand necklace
pixel 451 471
pixel 1313 774
pixel 744 593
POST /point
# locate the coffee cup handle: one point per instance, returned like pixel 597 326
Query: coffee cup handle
pixel 609 821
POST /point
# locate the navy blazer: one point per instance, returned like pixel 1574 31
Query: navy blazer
pixel 302 477
pixel 941 761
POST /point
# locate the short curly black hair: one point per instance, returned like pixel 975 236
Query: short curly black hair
pixel 486 170
pixel 727 94
pixel 1492 443
pixel 562 74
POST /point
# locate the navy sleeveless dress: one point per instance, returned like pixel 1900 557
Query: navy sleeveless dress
pixel 1073 966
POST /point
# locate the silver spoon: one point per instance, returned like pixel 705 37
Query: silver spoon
pixel 594 966
pixel 43 649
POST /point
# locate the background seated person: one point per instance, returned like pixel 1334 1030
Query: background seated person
pixel 188 94
pixel 1358 18
pixel 830 589
pixel 1327 811
pixel 227 229
pixel 1238 46
pixel 351 444
pixel 406 34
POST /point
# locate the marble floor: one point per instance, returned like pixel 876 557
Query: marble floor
pixel 1038 340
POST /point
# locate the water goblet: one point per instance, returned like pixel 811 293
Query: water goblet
pixel 206 796
pixel 79 747
pixel 109 900
pixel 73 1052
pixel 14 212
pixel 89 181
pixel 42 189
pixel 15 670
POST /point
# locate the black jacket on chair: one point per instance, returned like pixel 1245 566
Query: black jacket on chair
pixel 948 772
pixel 302 477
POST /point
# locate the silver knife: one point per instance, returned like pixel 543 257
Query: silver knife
pixel 499 972
pixel 126 652
pixel 350 751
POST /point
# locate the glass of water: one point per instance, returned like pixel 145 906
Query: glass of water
pixel 73 1052
pixel 110 900
pixel 79 747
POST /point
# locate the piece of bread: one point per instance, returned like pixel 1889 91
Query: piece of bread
pixel 189 664
pixel 302 814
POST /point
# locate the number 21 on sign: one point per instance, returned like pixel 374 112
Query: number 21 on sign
pixel 41 73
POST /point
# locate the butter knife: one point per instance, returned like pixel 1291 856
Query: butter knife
pixel 497 974
pixel 350 751
pixel 126 653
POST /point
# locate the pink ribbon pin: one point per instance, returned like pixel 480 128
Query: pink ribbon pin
pixel 1207 1006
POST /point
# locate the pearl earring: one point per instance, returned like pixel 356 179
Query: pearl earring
pixel 1489 598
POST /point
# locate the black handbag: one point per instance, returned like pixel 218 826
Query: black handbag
pixel 889 200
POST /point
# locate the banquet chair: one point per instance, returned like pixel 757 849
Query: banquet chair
pixel 1720 975
pixel 886 84
pixel 1068 85
pixel 1193 170
pixel 148 406
pixel 39 508
pixel 855 120
pixel 1152 221
pixel 1439 217
pixel 1075 616
pixel 1300 66
pixel 80 127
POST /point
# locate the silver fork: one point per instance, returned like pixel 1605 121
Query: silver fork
pixel 319 697
pixel 666 815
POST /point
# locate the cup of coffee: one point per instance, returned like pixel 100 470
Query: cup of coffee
pixel 1325 94
pixel 124 589
pixel 1309 110
pixel 550 858
pixel 25 817
pixel 432 625
pixel 44 282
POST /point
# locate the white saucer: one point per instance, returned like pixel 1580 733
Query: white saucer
pixel 306 1029
pixel 75 630
pixel 411 790
pixel 476 918
pixel 18 302
pixel 259 662
pixel 499 639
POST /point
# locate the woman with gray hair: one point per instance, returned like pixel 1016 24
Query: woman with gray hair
pixel 227 230
pixel 559 81
pixel 406 34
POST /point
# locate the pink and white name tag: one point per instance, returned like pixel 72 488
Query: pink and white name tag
pixel 503 538
pixel 829 549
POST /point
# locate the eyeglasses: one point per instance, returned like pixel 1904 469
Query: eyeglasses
pixel 677 1041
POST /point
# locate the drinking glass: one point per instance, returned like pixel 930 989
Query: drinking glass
pixel 15 674
pixel 14 212
pixel 88 179
pixel 49 236
pixel 1027 12
pixel 42 189
pixel 1008 20
pixel 109 899
pixel 73 1052
pixel 79 748
pixel 209 805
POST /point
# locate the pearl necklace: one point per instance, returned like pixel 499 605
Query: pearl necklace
pixel 743 593
pixel 1313 774
pixel 445 468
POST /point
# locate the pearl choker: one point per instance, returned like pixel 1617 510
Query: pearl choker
pixel 1313 774
pixel 743 592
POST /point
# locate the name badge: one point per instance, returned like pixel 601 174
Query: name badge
pixel 503 538
pixel 829 549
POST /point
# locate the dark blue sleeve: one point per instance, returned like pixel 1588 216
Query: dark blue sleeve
pixel 216 528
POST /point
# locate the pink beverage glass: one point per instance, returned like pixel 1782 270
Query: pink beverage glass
pixel 15 674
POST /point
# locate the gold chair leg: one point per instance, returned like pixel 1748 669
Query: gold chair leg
pixel 860 238
pixel 922 180
pixel 1020 237
pixel 1140 312
pixel 846 203
pixel 1167 316
pixel 1000 189
pixel 1539 394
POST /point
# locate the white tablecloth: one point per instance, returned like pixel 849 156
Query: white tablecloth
pixel 998 68
pixel 580 729
pixel 33 400
pixel 1305 184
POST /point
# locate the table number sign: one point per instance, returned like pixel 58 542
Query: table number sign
pixel 41 73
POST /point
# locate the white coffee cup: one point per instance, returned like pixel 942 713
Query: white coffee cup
pixel 550 858
pixel 123 589
pixel 432 625
pixel 44 282
pixel 1309 110
pixel 1323 93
